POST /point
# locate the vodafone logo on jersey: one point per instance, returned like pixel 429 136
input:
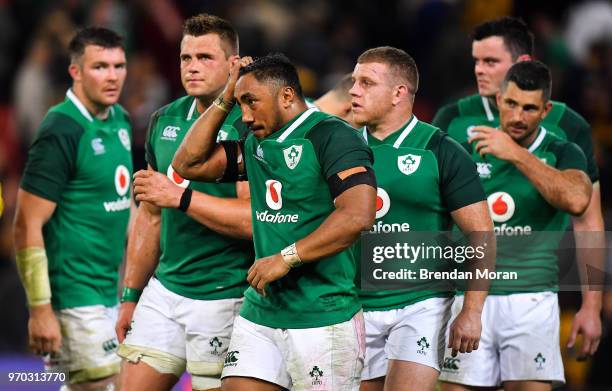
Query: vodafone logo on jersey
pixel 383 202
pixel 274 197
pixel 122 180
pixel 176 178
pixel 501 206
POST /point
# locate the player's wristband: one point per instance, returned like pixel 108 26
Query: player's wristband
pixel 32 265
pixel 185 200
pixel 130 294
pixel 290 256
pixel 223 104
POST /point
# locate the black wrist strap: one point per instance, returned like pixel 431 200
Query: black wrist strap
pixel 185 200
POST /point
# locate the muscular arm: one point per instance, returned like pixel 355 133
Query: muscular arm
pixel 473 220
pixel 568 190
pixel 590 254
pixel 199 157
pixel 355 211
pixel 31 215
pixel 227 216
pixel 142 254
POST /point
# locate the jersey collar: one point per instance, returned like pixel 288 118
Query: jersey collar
pixel 487 108
pixel 538 141
pixel 81 107
pixel 300 119
pixel 402 136
pixel 192 109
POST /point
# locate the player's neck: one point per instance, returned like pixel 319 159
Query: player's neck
pixel 204 102
pixel 529 140
pixel 96 110
pixel 390 123
pixel 295 109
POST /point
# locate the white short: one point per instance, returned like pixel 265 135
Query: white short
pixel 520 341
pixel 196 333
pixel 414 333
pixel 320 358
pixel 89 343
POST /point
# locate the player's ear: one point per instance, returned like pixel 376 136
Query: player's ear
pixel 286 96
pixel 233 58
pixel 498 98
pixel 524 57
pixel 75 71
pixel 547 108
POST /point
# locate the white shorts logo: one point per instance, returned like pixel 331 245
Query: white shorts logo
pixel 383 202
pixel 122 180
pixel 501 206
pixel 292 155
pixel 124 137
pixel 408 164
pixel 176 178
pixel 274 199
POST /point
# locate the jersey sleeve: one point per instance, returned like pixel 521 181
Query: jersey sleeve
pixel 445 115
pixel 569 156
pixel 459 182
pixel 52 157
pixel 579 131
pixel 339 147
pixel 149 151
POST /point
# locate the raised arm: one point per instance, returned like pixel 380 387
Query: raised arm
pixel 199 157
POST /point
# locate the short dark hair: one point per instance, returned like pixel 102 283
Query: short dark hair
pixel 342 88
pixel 275 68
pixel 398 60
pixel 203 24
pixel 93 35
pixel 530 76
pixel 515 33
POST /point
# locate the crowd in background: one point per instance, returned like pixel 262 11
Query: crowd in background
pixel 322 37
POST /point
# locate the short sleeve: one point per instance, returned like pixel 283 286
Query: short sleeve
pixel 149 151
pixel 52 157
pixel 569 156
pixel 339 147
pixel 445 115
pixel 459 182
pixel 579 131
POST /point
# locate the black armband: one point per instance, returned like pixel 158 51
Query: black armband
pixel 338 186
pixel 185 200
pixel 234 153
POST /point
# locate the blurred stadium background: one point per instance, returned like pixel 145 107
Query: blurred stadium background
pixel 324 38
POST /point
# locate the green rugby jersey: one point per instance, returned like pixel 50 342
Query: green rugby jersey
pixel 195 261
pixel 422 176
pixel 519 211
pixel 84 165
pixel 458 118
pixel 290 198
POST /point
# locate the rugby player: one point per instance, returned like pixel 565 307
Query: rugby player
pixel 72 215
pixel 312 193
pixel 533 179
pixel 405 330
pixel 496 46
pixel 186 235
